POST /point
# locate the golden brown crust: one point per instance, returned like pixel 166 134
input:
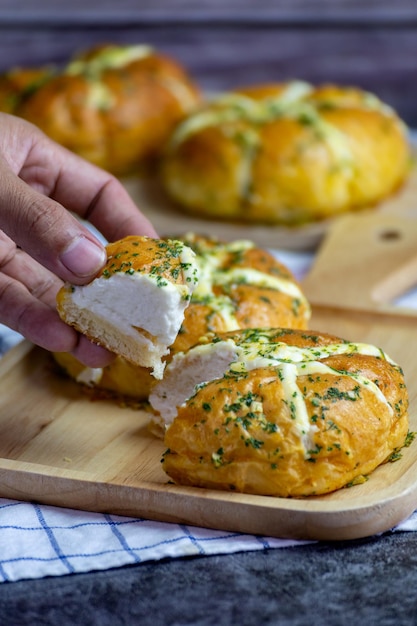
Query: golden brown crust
pixel 239 432
pixel 115 114
pixel 122 379
pixel 158 257
pixel 255 159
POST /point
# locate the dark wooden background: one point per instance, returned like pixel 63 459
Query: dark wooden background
pixel 225 44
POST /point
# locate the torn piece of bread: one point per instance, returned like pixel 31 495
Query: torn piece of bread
pixel 279 412
pixel 135 306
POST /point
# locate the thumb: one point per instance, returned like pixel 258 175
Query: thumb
pixel 83 257
pixel 48 232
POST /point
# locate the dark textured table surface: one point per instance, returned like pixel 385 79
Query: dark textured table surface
pixel 371 581
pixel 229 43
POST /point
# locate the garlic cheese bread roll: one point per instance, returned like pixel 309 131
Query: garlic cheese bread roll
pixel 113 105
pixel 135 305
pixel 286 154
pixel 279 412
pixel 240 286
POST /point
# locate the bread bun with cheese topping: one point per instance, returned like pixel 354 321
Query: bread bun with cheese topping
pixel 113 105
pixel 135 305
pixel 240 286
pixel 286 154
pixel 279 412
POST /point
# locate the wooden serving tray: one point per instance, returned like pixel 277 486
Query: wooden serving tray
pixel 59 447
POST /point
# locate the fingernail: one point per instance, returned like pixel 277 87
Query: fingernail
pixel 83 257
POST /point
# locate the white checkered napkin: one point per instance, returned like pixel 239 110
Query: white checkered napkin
pixel 39 540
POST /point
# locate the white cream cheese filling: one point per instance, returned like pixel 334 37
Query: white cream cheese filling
pixel 137 302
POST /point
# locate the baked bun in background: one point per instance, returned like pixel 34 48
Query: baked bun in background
pixel 113 105
pixel 285 154
pixel 279 412
pixel 135 305
pixel 240 286
pixel 21 81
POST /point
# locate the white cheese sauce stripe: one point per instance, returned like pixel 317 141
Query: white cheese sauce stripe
pixel 280 351
pixel 232 107
pixel 292 362
pixel 211 275
pixel 258 279
pixel 112 57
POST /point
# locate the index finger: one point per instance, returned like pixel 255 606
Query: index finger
pixel 83 188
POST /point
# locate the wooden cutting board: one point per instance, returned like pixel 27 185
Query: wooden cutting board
pixel 59 447
pixel 366 261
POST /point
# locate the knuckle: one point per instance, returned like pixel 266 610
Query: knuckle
pixel 8 252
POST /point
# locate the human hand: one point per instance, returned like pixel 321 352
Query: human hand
pixel 42 244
